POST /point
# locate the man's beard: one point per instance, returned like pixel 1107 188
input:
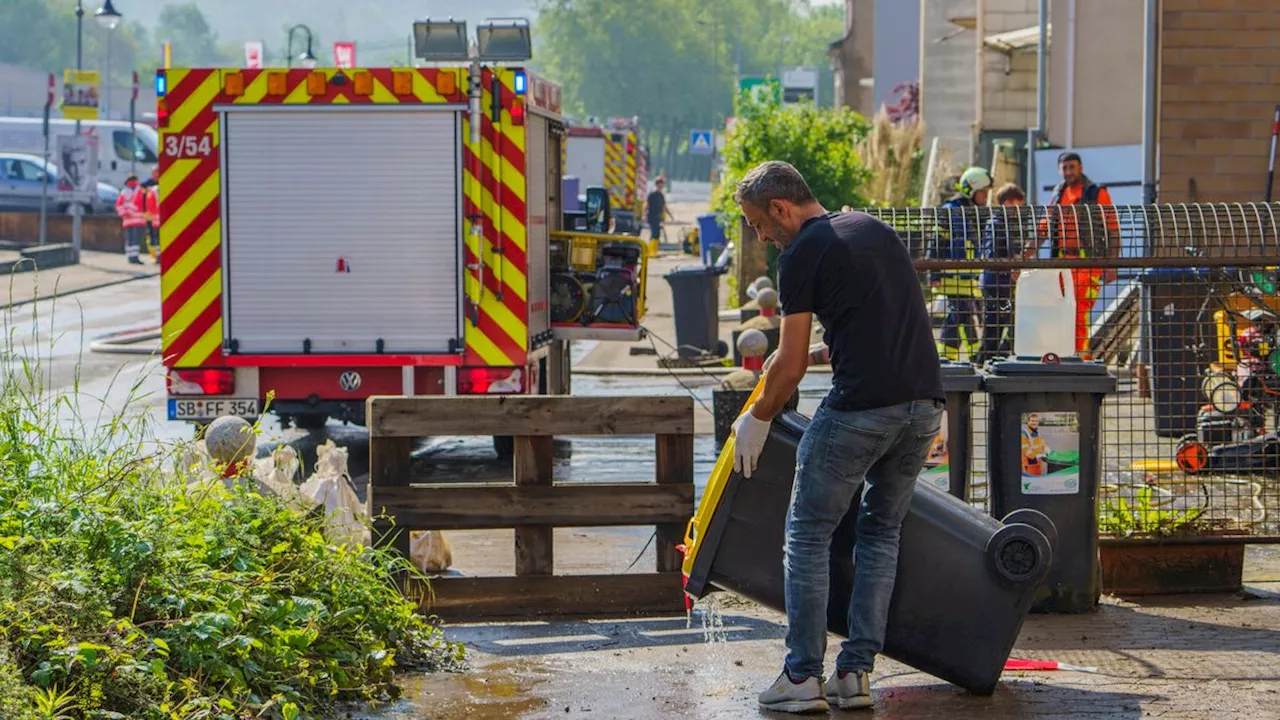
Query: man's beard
pixel 780 237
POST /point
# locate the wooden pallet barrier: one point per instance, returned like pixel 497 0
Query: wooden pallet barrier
pixel 533 504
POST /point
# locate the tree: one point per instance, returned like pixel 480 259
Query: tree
pixel 822 143
pixel 193 42
pixel 673 63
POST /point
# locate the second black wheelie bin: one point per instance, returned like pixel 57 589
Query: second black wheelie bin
pixel 950 471
pixel 1045 428
pixel 964 583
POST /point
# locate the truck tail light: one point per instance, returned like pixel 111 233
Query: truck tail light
pixel 162 113
pixel 201 381
pixel 491 380
pixel 517 111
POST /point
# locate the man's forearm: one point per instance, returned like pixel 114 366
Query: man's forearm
pixel 780 384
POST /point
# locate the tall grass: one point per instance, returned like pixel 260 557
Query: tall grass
pixel 130 590
pixel 893 152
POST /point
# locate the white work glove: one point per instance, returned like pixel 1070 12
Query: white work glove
pixel 750 434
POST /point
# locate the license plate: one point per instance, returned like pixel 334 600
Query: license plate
pixel 208 409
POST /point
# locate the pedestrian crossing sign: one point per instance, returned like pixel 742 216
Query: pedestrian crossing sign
pixel 700 142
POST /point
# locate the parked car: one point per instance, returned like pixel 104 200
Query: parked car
pixel 122 148
pixel 21 177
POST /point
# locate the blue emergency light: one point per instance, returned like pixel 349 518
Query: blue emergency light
pixel 162 84
pixel 520 82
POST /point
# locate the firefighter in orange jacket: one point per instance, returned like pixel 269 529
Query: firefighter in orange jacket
pixel 1082 232
pixel 131 206
pixel 151 209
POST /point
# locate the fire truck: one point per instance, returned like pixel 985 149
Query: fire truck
pixel 332 234
pixel 610 156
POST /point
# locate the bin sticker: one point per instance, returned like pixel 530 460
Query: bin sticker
pixel 1050 453
pixel 937 465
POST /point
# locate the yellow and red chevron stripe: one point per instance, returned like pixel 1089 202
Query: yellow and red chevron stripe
pixel 642 180
pixel 629 173
pixel 614 168
pixel 494 190
pixel 190 189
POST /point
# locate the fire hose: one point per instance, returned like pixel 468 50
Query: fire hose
pixel 128 342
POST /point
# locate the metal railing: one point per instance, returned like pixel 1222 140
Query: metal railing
pixel 1181 301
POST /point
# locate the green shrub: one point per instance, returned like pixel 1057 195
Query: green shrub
pixel 128 593
pixel 822 143
pixel 17 699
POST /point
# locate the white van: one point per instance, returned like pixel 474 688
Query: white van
pixel 118 151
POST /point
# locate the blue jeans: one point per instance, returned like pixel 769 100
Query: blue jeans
pixel 878 453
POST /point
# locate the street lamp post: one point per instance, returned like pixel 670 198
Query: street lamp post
pixel 108 18
pixel 79 44
pixel 307 58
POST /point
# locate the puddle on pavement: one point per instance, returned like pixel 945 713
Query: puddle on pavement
pixel 496 691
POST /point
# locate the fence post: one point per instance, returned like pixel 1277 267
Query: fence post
pixel 534 460
pixel 673 465
pixel 389 459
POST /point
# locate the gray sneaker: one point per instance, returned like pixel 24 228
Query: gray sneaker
pixel 851 692
pixel 792 697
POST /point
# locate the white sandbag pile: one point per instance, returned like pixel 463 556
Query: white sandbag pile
pixel 328 490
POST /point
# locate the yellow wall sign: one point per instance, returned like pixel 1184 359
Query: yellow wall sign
pixel 80 94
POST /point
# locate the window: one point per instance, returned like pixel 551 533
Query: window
pixel 12 170
pixel 123 140
pixel 29 170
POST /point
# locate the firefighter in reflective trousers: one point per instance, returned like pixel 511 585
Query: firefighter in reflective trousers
pixel 959 235
pixel 1080 223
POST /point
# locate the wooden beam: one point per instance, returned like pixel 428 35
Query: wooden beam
pixel 673 469
pixel 529 415
pixel 456 599
pixel 389 460
pixel 534 460
pixel 469 507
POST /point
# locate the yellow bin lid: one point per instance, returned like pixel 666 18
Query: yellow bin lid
pixel 711 495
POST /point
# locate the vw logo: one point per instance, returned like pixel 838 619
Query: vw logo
pixel 349 381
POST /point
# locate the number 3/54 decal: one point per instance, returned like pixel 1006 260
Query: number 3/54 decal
pixel 188 146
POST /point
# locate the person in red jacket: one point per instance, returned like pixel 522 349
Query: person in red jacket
pixel 151 187
pixel 131 207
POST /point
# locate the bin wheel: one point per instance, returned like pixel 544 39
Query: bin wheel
pixel 1191 456
pixel 1019 554
pixel 1035 519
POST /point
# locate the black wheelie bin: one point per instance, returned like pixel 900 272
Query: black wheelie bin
pixel 965 581
pixel 949 471
pixel 1045 453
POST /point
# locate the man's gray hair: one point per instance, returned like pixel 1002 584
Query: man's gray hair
pixel 772 180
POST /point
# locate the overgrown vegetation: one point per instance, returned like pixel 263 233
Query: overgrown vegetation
pixel 127 591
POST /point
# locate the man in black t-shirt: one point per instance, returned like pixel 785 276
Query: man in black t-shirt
pixel 872 431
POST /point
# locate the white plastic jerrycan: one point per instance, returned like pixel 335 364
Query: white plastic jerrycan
pixel 1044 314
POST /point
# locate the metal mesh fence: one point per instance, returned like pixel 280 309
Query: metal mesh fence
pixel 1182 302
